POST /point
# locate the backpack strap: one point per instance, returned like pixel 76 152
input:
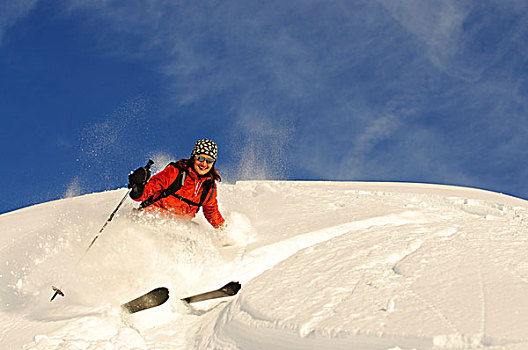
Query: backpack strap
pixel 172 189
pixel 207 186
pixel 175 186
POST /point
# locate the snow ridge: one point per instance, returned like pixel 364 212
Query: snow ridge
pixel 323 265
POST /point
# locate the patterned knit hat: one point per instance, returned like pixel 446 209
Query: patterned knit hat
pixel 205 146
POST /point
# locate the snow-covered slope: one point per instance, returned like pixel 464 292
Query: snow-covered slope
pixel 323 265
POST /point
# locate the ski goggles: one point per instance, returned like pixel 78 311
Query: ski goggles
pixel 202 158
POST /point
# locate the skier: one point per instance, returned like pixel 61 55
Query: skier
pixel 182 187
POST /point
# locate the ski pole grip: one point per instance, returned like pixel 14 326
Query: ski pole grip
pixel 150 162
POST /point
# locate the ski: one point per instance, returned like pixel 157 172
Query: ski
pixel 149 300
pixel 228 290
pixel 160 295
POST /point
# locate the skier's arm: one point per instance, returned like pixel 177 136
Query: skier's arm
pixel 211 212
pixel 156 184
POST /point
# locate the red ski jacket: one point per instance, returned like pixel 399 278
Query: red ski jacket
pixel 191 190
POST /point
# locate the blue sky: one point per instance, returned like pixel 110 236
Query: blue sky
pixel 421 91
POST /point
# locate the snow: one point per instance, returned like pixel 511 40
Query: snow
pixel 335 265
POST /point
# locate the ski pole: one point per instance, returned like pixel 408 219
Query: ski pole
pixel 147 167
pixel 108 220
pixel 57 290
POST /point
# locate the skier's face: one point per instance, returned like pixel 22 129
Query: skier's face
pixel 203 164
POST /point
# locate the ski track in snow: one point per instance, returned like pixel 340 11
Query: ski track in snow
pixel 323 265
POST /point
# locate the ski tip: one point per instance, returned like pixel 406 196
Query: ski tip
pixel 232 288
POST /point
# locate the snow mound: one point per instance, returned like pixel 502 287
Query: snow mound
pixel 433 275
pixel 322 264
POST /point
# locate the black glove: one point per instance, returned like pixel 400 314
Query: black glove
pixel 137 181
pixel 140 176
